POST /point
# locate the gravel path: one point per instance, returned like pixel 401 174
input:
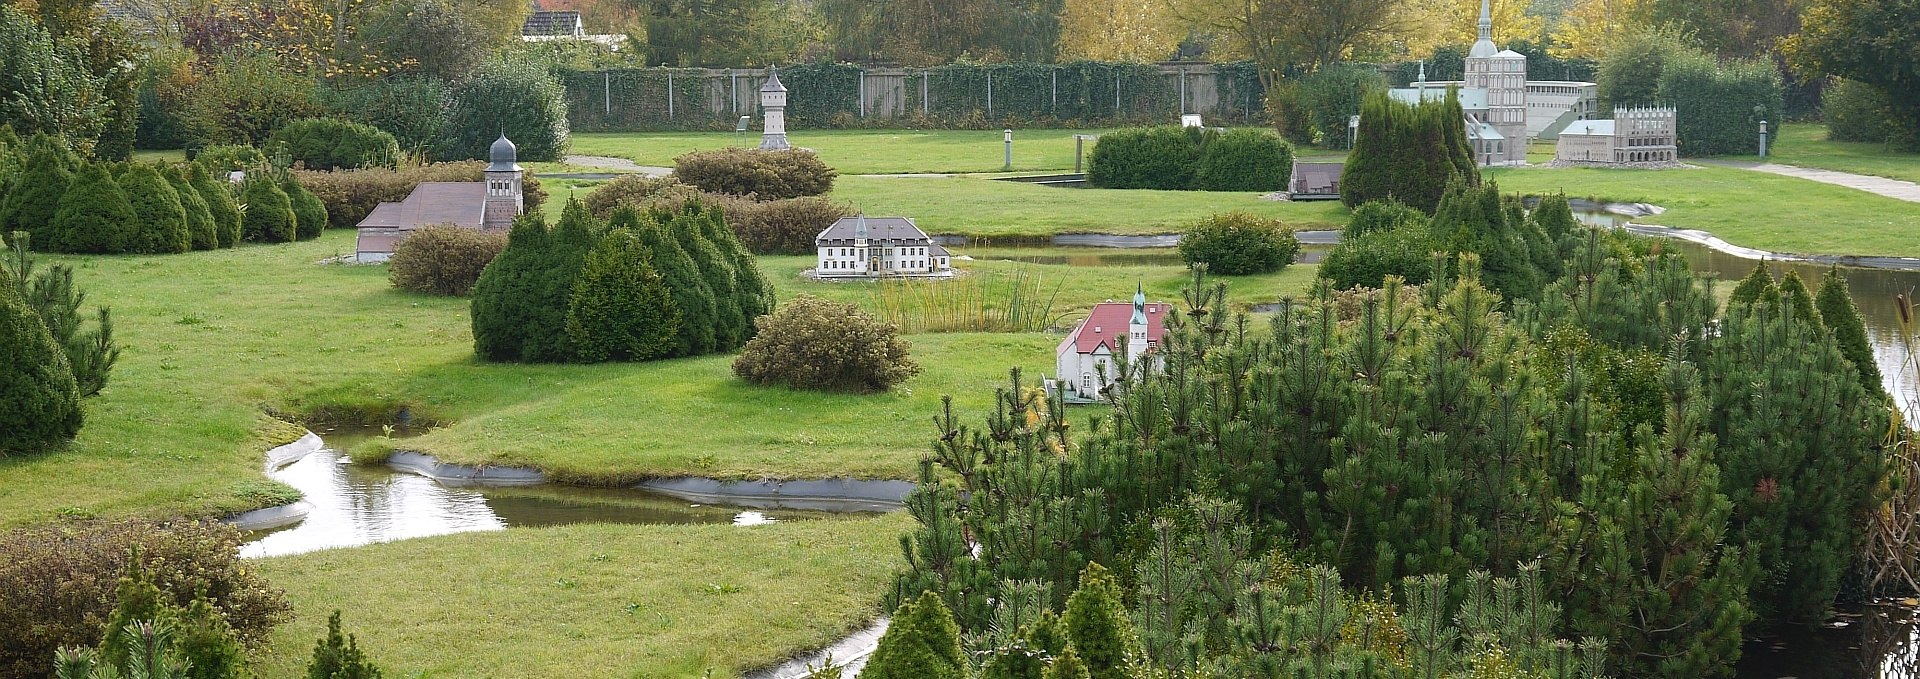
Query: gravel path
pixel 1891 188
pixel 618 164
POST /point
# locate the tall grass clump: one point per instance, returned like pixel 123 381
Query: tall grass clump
pixel 1018 302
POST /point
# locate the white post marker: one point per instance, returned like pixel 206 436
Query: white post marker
pixel 1009 140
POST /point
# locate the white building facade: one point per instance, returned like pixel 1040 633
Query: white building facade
pixel 879 247
pixel 1084 362
pixel 1633 135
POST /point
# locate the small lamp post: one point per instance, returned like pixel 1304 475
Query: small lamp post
pixel 1763 140
pixel 1353 127
pixel 1007 135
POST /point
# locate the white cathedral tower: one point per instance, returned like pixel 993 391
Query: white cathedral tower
pixel 1503 74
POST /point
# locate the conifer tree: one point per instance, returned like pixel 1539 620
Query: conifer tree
pixel 309 213
pixel 1842 319
pixel 1758 285
pixel 620 309
pixel 338 656
pixel 755 293
pixel 692 296
pixel 220 202
pixel 1793 291
pixel 563 260
pixel 160 220
pixel 1098 626
pixel 730 322
pixel 1475 219
pixel 1067 666
pixel 202 230
pixel 95 215
pixel 1409 153
pixel 922 643
pixel 51 293
pixel 34 199
pixel 268 216
pixel 505 300
pixel 39 401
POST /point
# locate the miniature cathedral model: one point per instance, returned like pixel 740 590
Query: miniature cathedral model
pixel 773 103
pixel 486 205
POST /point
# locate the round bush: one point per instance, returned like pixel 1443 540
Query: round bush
pixel 227 158
pixel 39 400
pixel 269 216
pixel 309 214
pixel 443 259
pixel 94 216
pixel 34 199
pixel 160 219
pixel 636 191
pixel 765 175
pixel 409 107
pixel 202 231
pixel 1381 215
pixel 811 343
pixel 220 203
pixel 332 144
pixel 1145 158
pixel 1237 243
pixel 1366 261
pixel 1244 159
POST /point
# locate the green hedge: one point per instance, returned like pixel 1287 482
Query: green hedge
pixel 1175 158
pixel 1720 105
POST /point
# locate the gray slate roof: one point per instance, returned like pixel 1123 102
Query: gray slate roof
pixel 552 22
pixel 457 203
pixel 895 229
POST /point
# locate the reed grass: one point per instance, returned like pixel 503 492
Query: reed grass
pixel 1019 301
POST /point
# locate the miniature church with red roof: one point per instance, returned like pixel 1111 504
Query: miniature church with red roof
pixel 1084 362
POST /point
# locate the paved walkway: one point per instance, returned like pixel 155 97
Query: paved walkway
pixel 1891 188
pixel 618 164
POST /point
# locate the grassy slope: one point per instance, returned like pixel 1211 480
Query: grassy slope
pixel 863 151
pixel 590 601
pixel 215 339
pixel 1806 145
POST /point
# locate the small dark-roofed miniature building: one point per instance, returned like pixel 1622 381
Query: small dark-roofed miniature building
pixel 1315 181
pixel 484 205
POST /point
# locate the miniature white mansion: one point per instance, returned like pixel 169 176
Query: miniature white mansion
pixel 1502 107
pixel 879 247
pixel 1083 365
pixel 1634 135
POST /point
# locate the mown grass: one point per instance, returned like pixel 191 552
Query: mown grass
pixel 1753 209
pixel 861 151
pixel 976 206
pixel 1806 145
pixel 590 600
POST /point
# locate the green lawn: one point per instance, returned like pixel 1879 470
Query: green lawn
pixel 1806 145
pixel 591 600
pixel 977 206
pixel 862 151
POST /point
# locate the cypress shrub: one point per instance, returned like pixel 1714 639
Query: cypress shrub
pixel 1145 158
pixel 443 259
pixel 620 309
pixel 922 643
pixel 755 293
pixel 1244 159
pixel 309 214
pixel 1720 104
pixel 269 216
pixel 692 296
pixel 1238 243
pixel 730 322
pixel 220 203
pixel 1382 216
pixel 203 233
pixel 1098 625
pixel 39 401
pixel 503 311
pixel 1842 319
pixel 333 144
pixel 765 175
pixel 95 216
pixel 811 343
pixel 1793 291
pixel 1474 219
pixel 1407 153
pixel 160 220
pixel 34 199
pixel 1367 261
pixel 1756 287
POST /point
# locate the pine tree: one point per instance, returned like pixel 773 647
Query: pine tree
pixel 621 309
pixel 51 293
pixel 1758 285
pixel 1842 319
pixel 94 216
pixel 220 203
pixel 692 296
pixel 310 215
pixel 268 216
pixel 338 656
pixel 202 230
pixel 922 643
pixel 160 220
pixel 34 199
pixel 1068 666
pixel 1794 292
pixel 504 311
pixel 1098 626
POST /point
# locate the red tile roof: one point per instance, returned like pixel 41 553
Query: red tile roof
pixel 1108 324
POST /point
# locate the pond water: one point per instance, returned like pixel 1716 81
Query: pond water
pixel 355 505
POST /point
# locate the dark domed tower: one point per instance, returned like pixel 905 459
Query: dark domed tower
pixel 503 186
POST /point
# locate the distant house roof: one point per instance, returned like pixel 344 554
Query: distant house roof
pixel 1470 97
pixel 1313 178
pixel 1598 128
pixel 937 250
pixel 878 229
pixel 554 22
pixel 1107 325
pixel 457 203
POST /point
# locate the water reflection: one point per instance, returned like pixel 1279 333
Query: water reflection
pixel 354 506
pixel 1874 642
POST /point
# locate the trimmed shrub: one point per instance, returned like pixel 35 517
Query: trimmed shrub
pixel 1838 313
pixel 160 219
pixel 226 158
pixel 220 204
pixel 1145 158
pixel 268 216
pixel 332 144
pixel 339 656
pixel 620 309
pixel 811 343
pixel 350 195
pixel 517 97
pixel 520 302
pixel 755 294
pixel 1098 626
pixel 1407 153
pixel 1383 215
pixel 408 107
pixel 1856 111
pixel 1244 159
pixel 692 296
pixel 309 214
pixel 731 325
pixel 39 400
pixel 202 231
pixel 1325 99
pixel 782 227
pixel 34 198
pixel 443 259
pixel 765 175
pixel 638 192
pixel 922 643
pixel 1367 260
pixel 94 216
pixel 1237 244
pixel 1476 219
pixel 1720 104
pixel 59 583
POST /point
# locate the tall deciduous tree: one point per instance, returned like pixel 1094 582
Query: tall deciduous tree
pixel 1285 36
pixel 1434 23
pixel 1869 41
